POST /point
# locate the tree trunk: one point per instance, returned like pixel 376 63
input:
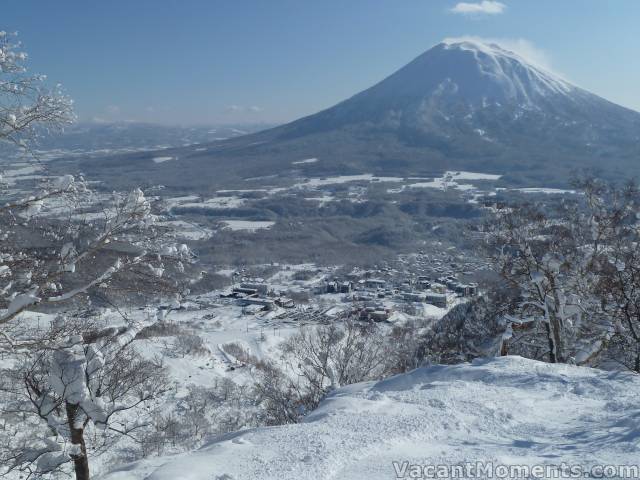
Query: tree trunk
pixel 557 338
pixel 557 324
pixel 80 461
pixel 552 348
pixel 504 348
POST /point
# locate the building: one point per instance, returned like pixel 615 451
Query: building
pixel 412 297
pixel 261 288
pixel 436 299
pixel 374 283
pixel 332 287
pixel 252 309
pixel 374 313
pixel 266 303
pixel 285 302
pixel 243 291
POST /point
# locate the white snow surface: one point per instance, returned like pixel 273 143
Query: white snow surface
pixel 472 175
pixel 249 225
pixel 187 230
pixel 365 177
pixel 549 191
pixel 498 62
pixel 214 203
pixel 509 411
pixel 302 162
pixel 162 159
pixel 449 180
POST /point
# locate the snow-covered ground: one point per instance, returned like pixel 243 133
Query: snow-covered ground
pixel 248 225
pixel 450 180
pixel 365 177
pixel 215 203
pixel 502 411
pixel 162 159
pixel 188 230
pixel 549 191
pixel 303 162
pixel 472 176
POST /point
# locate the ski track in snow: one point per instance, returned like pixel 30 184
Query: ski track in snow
pixel 507 410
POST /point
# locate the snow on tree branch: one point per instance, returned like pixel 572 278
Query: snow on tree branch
pixel 25 101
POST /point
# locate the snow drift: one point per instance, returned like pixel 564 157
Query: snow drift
pixel 505 410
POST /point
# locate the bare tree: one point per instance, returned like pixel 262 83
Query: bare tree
pixel 81 376
pixel 614 221
pixel 77 396
pixel 545 253
pixel 59 244
pixel 48 261
pixel 316 361
pixel 86 376
pixel 334 355
pixel 282 399
pixel 25 102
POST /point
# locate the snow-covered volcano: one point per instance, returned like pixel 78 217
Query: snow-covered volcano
pixel 461 105
pixel 493 73
pixel 474 72
pixel 472 88
pixel 478 74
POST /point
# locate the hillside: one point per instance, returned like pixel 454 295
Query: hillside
pixel 505 410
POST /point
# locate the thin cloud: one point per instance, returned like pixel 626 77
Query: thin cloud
pixel 242 109
pixel 486 7
pixel 113 109
pixel 523 47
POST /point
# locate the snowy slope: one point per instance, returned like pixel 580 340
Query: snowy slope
pixel 473 71
pixel 505 410
pixel 457 80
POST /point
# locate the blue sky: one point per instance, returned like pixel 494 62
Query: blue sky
pixel 239 61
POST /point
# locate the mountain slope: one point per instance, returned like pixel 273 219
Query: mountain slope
pixel 460 105
pixel 466 85
pixel 505 410
pixel 469 100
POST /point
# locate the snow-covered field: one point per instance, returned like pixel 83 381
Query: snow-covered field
pixel 503 411
pixel 225 202
pixel 303 162
pixel 450 180
pixel 248 225
pixel 354 188
pixel 548 191
pixel 365 177
pixel 187 230
pixel 162 159
pixel 472 176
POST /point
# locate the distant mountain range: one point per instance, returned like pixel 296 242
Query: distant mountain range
pixel 117 137
pixel 460 105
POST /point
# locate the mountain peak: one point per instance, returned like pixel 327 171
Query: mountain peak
pixel 464 104
pixel 471 72
pixel 475 44
pixel 518 77
pixel 492 48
